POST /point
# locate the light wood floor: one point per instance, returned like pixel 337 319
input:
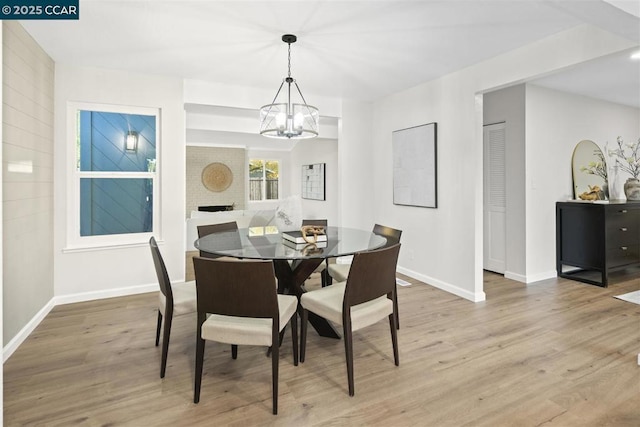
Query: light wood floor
pixel 558 353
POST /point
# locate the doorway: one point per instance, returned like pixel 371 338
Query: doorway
pixel 494 205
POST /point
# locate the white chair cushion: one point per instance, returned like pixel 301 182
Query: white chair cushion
pixel 339 272
pixel 327 302
pixel 247 330
pixel 184 298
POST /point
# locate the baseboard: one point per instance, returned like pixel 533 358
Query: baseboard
pixel 19 338
pixel 471 296
pixel 24 333
pixel 530 278
pixel 541 276
pixel 515 276
pixel 107 293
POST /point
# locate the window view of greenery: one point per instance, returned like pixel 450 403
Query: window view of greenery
pixel 116 180
pixel 263 179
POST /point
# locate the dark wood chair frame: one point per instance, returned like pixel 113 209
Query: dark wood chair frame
pixel 393 236
pixel 372 275
pixel 205 230
pixel 246 289
pixel 165 288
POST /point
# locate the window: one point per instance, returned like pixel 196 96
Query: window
pixel 114 175
pixel 263 179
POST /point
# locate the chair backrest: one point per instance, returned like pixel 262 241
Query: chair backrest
pixel 321 222
pixel 372 275
pixel 161 271
pixel 236 288
pixel 393 235
pixel 205 230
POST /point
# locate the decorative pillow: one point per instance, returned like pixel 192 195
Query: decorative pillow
pixel 289 214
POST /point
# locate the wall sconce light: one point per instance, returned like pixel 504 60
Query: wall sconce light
pixel 131 142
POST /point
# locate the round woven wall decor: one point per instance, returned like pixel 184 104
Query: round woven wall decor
pixel 217 177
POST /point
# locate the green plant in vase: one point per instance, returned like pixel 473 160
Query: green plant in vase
pixel 627 157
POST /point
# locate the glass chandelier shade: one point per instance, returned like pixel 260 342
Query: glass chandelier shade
pixel 287 119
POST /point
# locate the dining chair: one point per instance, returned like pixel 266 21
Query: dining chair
pixel 238 304
pixel 322 268
pixel 176 299
pixel 364 299
pixel 340 272
pixel 205 230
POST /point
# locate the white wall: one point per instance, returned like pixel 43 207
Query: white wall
pixel 356 167
pixel 508 105
pixel 102 272
pixel 555 123
pixel 443 246
pixel 310 151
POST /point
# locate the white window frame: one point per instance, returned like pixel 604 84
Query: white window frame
pixel 264 177
pixel 76 242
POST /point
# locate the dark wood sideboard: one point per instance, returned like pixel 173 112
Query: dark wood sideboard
pixel 594 240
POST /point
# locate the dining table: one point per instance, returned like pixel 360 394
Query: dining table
pixel 293 264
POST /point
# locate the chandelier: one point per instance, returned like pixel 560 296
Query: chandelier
pixel 289 119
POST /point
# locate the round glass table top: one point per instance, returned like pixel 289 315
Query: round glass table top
pixel 267 243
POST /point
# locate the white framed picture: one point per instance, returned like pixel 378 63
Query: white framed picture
pixel 313 181
pixel 415 175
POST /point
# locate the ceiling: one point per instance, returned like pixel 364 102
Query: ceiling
pixel 361 50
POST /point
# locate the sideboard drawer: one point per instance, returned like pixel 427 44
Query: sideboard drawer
pixel 623 255
pixel 623 233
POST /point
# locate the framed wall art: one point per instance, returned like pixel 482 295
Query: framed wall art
pixel 313 181
pixel 415 174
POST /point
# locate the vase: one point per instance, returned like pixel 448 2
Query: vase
pixel 632 189
pixel 605 190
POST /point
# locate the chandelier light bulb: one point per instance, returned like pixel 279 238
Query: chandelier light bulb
pixel 298 120
pixel 281 121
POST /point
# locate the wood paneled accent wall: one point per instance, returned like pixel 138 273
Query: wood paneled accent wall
pixel 27 150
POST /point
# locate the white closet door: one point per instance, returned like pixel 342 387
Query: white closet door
pixel 495 197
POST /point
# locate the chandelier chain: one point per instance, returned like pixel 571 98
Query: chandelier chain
pixel 289 61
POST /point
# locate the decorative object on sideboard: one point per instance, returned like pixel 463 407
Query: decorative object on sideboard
pixel 627 159
pixel 287 119
pixel 589 170
pixel 415 177
pixel 594 193
pixel 217 177
pixel 314 181
pixel 632 189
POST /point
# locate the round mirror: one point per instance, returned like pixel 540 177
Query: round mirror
pixel 589 172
